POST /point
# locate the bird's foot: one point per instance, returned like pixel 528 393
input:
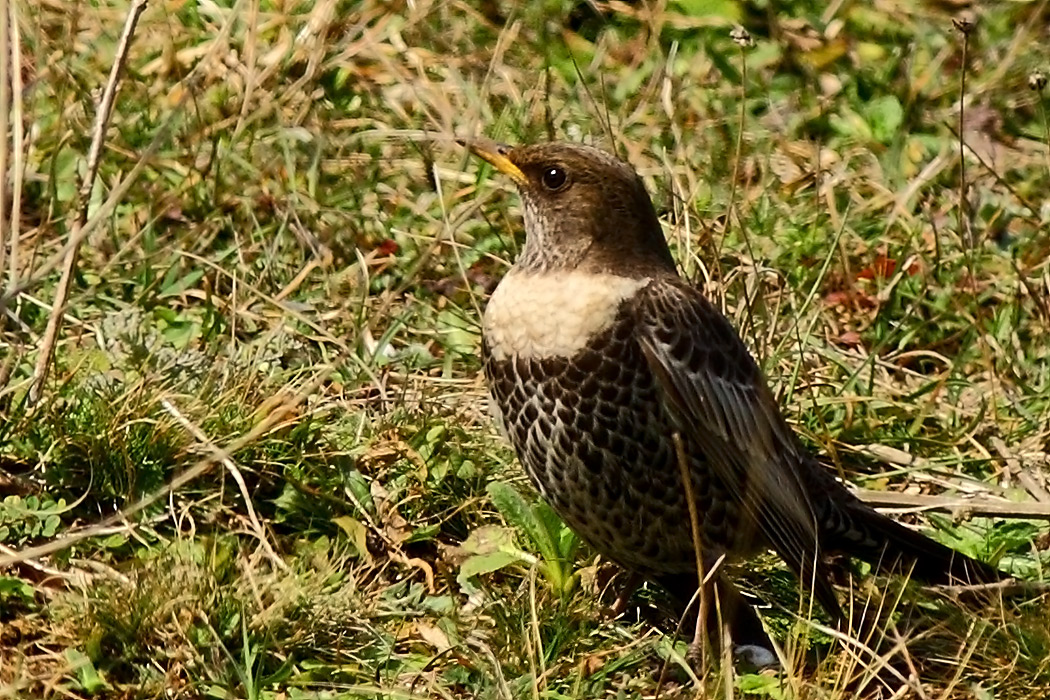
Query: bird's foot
pixel 748 658
pixel 751 657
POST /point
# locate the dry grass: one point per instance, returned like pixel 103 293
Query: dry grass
pixel 259 464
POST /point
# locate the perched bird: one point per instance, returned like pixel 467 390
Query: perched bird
pixel 609 370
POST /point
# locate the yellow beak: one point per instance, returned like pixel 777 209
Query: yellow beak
pixel 497 154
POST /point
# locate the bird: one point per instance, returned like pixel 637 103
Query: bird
pixel 615 378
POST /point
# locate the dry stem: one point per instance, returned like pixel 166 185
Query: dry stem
pixel 105 109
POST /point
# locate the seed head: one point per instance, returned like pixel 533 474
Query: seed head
pixel 965 22
pixel 741 37
pixel 1036 81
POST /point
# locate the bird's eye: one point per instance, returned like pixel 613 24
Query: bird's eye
pixel 554 178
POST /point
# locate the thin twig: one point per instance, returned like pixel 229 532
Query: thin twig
pixel 1017 468
pixel 76 576
pixel 1008 587
pixel 17 146
pixel 730 207
pixel 105 109
pixel 5 105
pixel 964 229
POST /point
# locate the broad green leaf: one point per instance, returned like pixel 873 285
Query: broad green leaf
pixel 518 513
pixel 492 548
pixel 762 686
pixel 357 485
pixel 483 564
pixel 720 11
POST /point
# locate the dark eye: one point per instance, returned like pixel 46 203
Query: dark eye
pixel 554 178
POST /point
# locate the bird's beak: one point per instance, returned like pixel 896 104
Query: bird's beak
pixel 498 155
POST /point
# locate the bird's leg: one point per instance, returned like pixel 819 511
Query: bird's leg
pixel 731 619
pixel 623 598
pixel 698 648
pixel 751 645
pixel 707 623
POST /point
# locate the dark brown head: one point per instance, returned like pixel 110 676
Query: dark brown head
pixel 584 209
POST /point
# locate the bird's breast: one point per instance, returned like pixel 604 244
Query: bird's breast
pixel 552 314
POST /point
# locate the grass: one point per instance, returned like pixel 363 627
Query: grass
pixel 263 450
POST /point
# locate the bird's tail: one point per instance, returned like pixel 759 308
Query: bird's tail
pixel 892 547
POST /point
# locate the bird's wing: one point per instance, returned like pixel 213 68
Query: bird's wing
pixel 721 403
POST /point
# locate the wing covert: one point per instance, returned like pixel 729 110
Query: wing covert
pixel 716 393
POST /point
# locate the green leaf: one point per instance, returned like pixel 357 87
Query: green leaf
pixel 358 486
pixel 489 538
pixel 885 115
pixel 459 335
pixel 87 676
pixel 186 281
pixel 723 11
pixel 423 534
pixel 12 587
pixel 483 564
pixel 517 512
pixel 763 686
pixel 563 540
pixel 850 124
pixel 492 548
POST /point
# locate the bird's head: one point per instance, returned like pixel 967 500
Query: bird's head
pixel 584 209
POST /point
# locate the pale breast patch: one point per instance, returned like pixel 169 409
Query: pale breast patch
pixel 552 314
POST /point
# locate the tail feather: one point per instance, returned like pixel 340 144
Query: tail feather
pixel 892 547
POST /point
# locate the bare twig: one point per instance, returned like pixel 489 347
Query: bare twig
pixel 965 25
pixel 105 109
pixel 743 39
pixel 1015 464
pixel 17 146
pixel 6 46
pixel 76 576
pixel 1007 588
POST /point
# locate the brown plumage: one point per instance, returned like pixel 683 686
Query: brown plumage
pixel 597 352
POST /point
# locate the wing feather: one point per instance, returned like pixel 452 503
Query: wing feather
pixel 717 395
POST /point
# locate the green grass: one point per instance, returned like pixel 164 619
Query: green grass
pixel 294 280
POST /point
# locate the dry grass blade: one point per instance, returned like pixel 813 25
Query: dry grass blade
pixel 970 506
pixel 5 145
